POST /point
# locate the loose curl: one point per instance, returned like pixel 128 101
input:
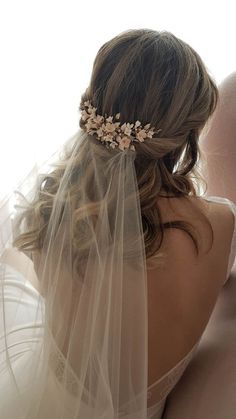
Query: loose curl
pixel 156 78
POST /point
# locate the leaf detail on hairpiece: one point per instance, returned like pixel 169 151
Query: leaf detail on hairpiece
pixel 111 133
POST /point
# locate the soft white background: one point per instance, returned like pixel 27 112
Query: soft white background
pixel 47 51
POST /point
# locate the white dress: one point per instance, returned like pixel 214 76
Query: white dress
pixel 23 332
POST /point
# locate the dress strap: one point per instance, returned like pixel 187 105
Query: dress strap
pixel 232 205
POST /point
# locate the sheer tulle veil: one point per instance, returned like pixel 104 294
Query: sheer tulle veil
pixel 76 247
pixel 73 315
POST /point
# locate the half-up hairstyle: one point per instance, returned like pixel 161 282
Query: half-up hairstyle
pixel 155 78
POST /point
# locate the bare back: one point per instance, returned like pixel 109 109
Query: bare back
pixel 182 293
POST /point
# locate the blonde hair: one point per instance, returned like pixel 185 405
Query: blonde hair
pixel 155 78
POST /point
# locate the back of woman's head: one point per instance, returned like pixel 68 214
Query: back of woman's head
pixel 155 78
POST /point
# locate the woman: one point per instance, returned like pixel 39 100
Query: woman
pixel 124 248
pixel 209 383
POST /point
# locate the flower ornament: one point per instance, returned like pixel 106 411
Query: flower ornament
pixel 111 133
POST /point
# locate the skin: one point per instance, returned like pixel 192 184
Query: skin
pixel 214 363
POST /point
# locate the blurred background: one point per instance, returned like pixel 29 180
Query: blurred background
pixel 47 52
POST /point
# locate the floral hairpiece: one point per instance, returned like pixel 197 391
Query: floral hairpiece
pixel 111 133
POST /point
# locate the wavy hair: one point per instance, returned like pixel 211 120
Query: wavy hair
pixel 156 78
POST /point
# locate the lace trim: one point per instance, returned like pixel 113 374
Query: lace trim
pixel 68 380
pixel 65 377
pixel 170 379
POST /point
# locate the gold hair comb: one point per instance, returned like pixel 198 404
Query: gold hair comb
pixel 109 131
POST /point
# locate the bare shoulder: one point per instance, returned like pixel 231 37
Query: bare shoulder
pixel 219 213
pixel 206 217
